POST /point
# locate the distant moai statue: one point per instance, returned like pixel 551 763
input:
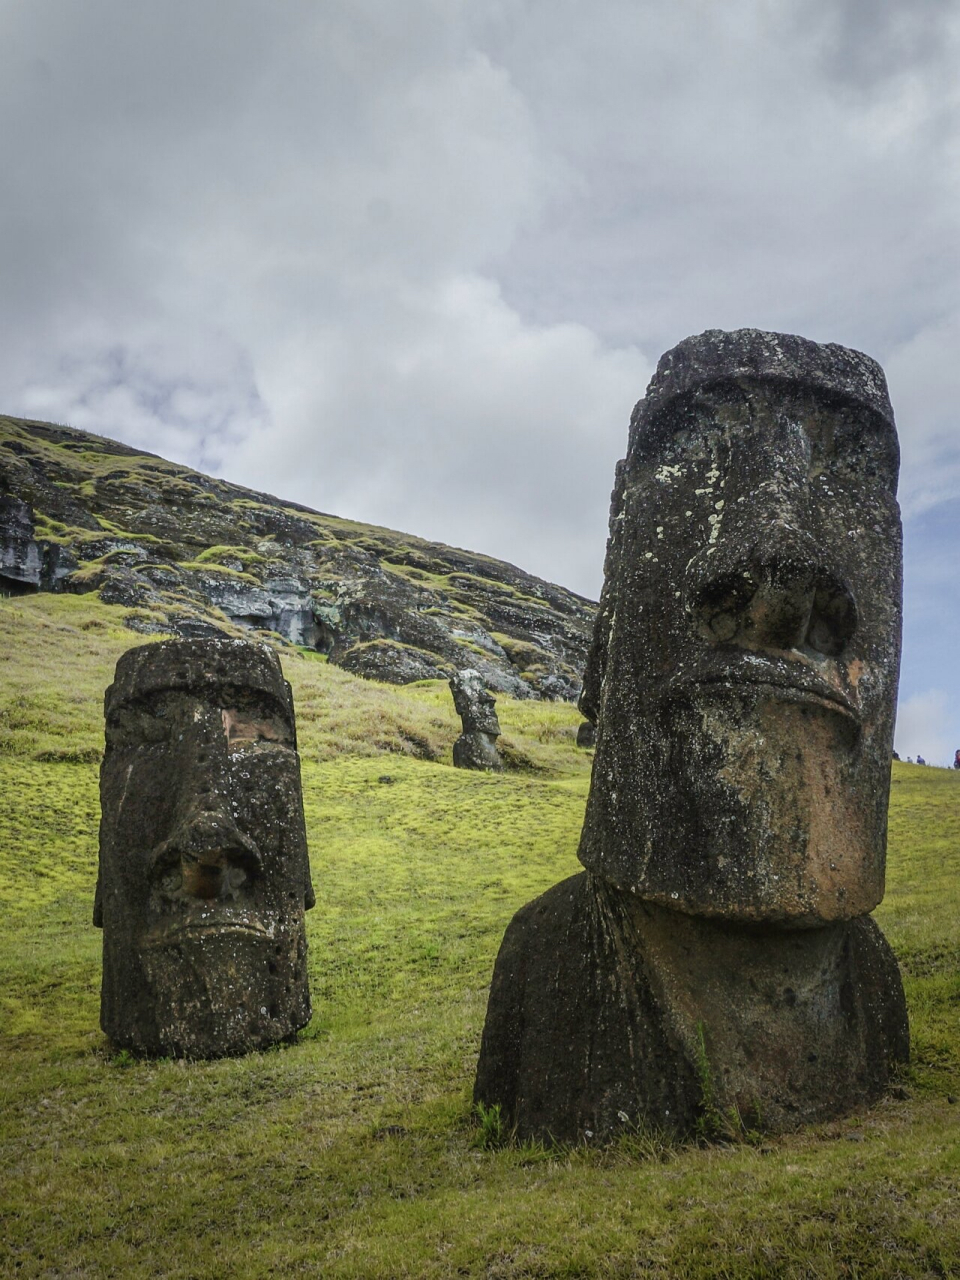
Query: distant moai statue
pixel 716 956
pixel 476 748
pixel 204 877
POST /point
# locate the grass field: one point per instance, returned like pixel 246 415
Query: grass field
pixel 354 1152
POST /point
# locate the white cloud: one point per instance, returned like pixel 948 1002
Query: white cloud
pixel 926 727
pixel 501 435
pixel 414 262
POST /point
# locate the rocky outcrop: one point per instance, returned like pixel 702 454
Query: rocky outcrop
pixel 27 564
pixel 20 558
pixel 189 554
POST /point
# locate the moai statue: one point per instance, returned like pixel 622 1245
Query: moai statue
pixel 204 876
pixel 476 748
pixel 717 954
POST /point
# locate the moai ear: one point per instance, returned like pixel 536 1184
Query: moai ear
pixel 293 719
pixel 98 905
pixel 589 700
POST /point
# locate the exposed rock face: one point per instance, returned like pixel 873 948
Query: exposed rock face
pixel 743 677
pixel 204 876
pixel 20 559
pixel 188 554
pixel 476 748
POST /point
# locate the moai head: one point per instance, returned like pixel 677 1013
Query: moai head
pixel 745 660
pixel 204 877
pixel 476 748
pixel 475 705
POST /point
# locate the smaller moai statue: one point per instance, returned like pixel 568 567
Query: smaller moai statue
pixel 476 748
pixel 587 734
pixel 204 877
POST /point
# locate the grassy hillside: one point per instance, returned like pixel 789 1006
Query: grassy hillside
pixel 354 1152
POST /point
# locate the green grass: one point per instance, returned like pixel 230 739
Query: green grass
pixel 356 1153
pixel 209 565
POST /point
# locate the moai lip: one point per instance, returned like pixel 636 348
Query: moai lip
pixel 742 678
pixel 204 876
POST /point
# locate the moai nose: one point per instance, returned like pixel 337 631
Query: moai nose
pixel 207 856
pixel 773 589
pixel 214 857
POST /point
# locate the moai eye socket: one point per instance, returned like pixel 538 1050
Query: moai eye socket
pixel 237 877
pixel 248 726
pixel 172 880
pixel 136 726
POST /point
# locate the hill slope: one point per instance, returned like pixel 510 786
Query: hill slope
pixel 185 553
pixel 354 1153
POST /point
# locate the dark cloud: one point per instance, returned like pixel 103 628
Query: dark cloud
pixel 414 263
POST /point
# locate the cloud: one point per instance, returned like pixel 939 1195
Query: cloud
pixel 414 263
pixel 477 421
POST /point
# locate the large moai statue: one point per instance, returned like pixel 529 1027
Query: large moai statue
pixel 717 952
pixel 476 748
pixel 204 876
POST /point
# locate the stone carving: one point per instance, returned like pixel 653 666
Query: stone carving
pixel 587 734
pixel 717 955
pixel 204 876
pixel 476 748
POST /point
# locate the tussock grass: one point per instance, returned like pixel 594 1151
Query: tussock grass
pixel 355 1153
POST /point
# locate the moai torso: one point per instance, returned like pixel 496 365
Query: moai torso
pixel 743 678
pixel 204 876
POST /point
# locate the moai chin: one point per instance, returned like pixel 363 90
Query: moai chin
pixel 743 676
pixel 204 877
pixel 476 748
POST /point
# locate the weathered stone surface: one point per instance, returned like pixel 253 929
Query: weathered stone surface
pixel 599 999
pixel 743 678
pixel 204 876
pixel 187 553
pixel 587 734
pixel 21 561
pixel 476 748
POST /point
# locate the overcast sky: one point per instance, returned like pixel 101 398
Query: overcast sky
pixel 413 261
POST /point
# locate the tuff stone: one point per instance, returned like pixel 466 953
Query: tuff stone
pixel 204 877
pixel 742 676
pixel 21 561
pixel 476 748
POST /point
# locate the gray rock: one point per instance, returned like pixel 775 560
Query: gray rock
pixel 717 960
pixel 21 561
pixel 391 663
